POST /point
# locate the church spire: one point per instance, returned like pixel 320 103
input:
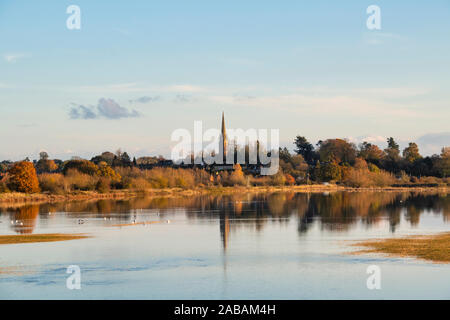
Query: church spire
pixel 224 132
pixel 224 137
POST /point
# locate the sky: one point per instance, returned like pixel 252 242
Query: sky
pixel 138 70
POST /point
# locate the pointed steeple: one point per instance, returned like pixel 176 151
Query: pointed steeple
pixel 224 131
pixel 224 137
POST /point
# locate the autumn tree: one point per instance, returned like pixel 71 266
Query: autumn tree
pixel 237 176
pixel 44 164
pixel 299 168
pixel 106 156
pixel 106 171
pixel 444 163
pixel 330 171
pixel 23 178
pixel 411 153
pixel 361 164
pixel 392 150
pixel 340 150
pixel 82 166
pixel 370 152
pixel 121 159
pixel 43 155
pixel 392 159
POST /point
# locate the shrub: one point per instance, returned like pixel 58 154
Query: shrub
pixel 139 184
pixel 103 185
pixel 3 187
pixel 53 182
pixel 278 179
pixel 358 178
pixel 80 181
pixel 382 178
pixel 23 178
pixel 236 178
pixel 82 166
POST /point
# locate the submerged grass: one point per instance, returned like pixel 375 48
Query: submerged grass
pixel 48 237
pixel 435 248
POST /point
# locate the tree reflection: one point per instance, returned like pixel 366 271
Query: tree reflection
pixel 338 211
pixel 24 219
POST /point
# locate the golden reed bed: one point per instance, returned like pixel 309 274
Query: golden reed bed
pixel 45 237
pixel 435 248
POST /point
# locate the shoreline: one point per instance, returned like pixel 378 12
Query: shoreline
pixel 15 198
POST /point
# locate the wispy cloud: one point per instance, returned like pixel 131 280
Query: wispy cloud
pixel 106 108
pixel 14 57
pixel 145 99
pixel 182 98
pixel 82 112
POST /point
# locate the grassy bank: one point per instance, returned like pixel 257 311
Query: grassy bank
pixel 433 248
pixel 48 237
pixel 15 198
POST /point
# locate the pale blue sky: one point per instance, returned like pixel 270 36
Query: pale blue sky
pixel 309 68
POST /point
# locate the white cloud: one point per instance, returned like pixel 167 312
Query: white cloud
pixel 13 57
pixel 374 139
pixel 106 108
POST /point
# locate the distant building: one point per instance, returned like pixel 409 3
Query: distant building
pixel 223 150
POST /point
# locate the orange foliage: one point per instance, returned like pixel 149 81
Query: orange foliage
pixel 289 179
pixel 23 177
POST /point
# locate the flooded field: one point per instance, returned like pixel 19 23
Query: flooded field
pixel 265 246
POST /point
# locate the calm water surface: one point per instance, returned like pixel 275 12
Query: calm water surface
pixel 272 246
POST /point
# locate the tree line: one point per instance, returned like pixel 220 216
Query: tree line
pixel 330 161
pixel 339 160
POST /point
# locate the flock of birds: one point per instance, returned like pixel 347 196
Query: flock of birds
pixel 82 221
pixel 17 223
pixel 79 221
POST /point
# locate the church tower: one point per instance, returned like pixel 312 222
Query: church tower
pixel 223 138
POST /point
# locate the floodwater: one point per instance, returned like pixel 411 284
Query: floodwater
pixel 266 246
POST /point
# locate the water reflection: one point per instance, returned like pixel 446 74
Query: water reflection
pixel 334 212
